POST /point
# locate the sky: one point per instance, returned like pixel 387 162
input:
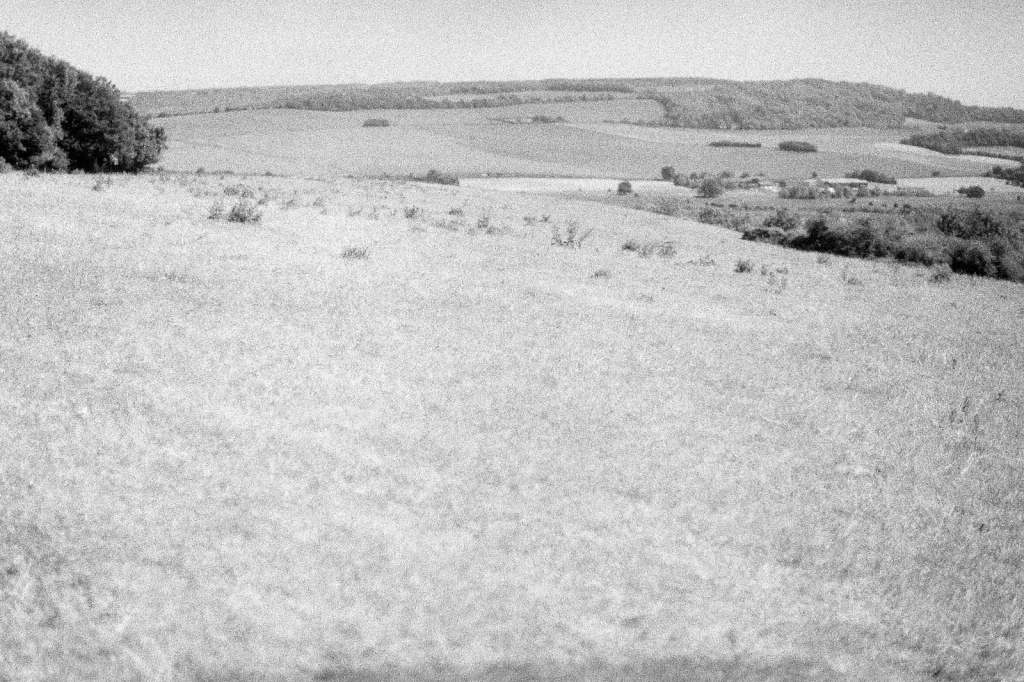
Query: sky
pixel 971 50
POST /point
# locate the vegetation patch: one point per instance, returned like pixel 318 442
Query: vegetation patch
pixel 735 143
pixel 796 146
pixel 661 248
pixel 982 243
pixel 437 177
pixel 872 176
pixel 571 236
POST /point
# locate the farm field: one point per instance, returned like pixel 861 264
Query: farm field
pixel 392 431
pixel 468 142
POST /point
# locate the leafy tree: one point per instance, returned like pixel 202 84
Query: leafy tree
pixel 55 117
pixel 668 173
pixel 710 188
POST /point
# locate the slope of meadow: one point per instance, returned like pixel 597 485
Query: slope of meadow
pixel 392 427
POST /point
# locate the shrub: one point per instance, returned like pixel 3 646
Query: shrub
pixel 744 265
pixel 376 123
pixel 244 211
pixel 710 188
pixel 794 146
pixel 573 237
pixel 872 176
pixel 437 178
pixel 972 257
pixel 666 206
pixel 782 219
pixel 356 252
pixel 972 192
pixel 412 212
pixel 668 173
pixel 710 215
pixel 769 235
pixel 603 273
pixel 625 187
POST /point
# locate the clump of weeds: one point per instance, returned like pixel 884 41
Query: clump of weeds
pixel 244 211
pixel 744 265
pixel 356 253
pixel 664 249
pixel 572 236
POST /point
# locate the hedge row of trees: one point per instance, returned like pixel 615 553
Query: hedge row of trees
pixel 970 242
pixel 952 141
pixel 56 117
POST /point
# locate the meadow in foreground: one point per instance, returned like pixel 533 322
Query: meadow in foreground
pixel 374 430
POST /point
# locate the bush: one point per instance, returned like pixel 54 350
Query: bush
pixel 666 206
pixel 710 188
pixel 744 265
pixel 244 211
pixel 625 187
pixel 668 173
pixel 783 219
pixel 437 178
pixel 972 192
pixel 573 236
pixel 794 146
pixel 709 215
pixel 972 257
pixel 376 123
pixel 872 176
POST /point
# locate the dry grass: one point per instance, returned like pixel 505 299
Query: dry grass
pixel 233 454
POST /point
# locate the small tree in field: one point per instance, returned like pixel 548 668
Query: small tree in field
pixel 710 188
pixel 668 173
pixel 625 187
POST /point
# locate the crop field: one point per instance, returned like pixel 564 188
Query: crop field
pixel 472 142
pixel 376 430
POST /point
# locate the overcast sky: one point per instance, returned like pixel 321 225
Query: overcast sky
pixel 972 50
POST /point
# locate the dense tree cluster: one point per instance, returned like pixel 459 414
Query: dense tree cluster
pixel 55 117
pixel 954 141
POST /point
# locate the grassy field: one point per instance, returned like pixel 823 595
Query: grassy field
pixel 390 431
pixel 470 142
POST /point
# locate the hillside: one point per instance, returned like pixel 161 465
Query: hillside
pixel 396 431
pixel 686 102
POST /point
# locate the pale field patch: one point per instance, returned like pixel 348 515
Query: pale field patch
pixel 229 450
